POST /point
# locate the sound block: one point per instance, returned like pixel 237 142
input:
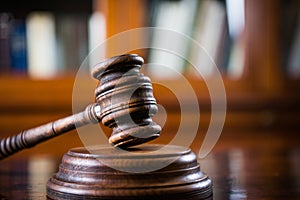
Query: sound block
pixel 145 172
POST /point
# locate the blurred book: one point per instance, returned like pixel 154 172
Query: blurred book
pixel 290 38
pixel 18 47
pixel 96 37
pixel 71 31
pixel 5 26
pixel 174 21
pixel 293 65
pixel 209 33
pixel 236 25
pixel 41 45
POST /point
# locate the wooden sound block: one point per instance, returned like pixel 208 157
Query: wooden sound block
pixel 145 172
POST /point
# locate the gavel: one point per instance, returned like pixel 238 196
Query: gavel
pixel 124 102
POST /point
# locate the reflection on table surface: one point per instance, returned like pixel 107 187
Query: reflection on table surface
pixel 255 174
pixel 26 179
pixel 240 169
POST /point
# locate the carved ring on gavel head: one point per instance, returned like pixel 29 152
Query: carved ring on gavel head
pixel 125 103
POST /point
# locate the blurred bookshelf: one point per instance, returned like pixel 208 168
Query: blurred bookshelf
pixel 259 62
pixel 43 39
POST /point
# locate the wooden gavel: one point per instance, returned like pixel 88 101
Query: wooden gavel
pixel 124 102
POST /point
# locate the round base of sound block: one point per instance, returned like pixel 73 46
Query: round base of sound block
pixel 146 172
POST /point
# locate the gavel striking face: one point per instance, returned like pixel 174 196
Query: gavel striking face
pixel 124 102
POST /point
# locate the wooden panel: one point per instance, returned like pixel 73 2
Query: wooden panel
pixel 262 45
pixel 123 15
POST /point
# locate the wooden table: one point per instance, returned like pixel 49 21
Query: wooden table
pixel 244 165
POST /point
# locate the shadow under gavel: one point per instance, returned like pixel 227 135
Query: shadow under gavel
pixel 124 102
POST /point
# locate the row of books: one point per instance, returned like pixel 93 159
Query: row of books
pixel 217 39
pixel 194 36
pixel 45 45
pixel 204 38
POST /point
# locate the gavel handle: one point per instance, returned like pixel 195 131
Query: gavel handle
pixel 31 137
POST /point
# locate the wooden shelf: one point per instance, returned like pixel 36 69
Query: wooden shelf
pixel 22 96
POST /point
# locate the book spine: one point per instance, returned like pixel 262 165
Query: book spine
pixel 294 56
pixel 236 24
pixel 18 48
pixel 71 41
pixel 5 26
pixel 41 45
pixel 96 37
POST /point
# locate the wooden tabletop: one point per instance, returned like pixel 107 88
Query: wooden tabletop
pixel 244 165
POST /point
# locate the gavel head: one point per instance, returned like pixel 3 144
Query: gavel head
pixel 126 100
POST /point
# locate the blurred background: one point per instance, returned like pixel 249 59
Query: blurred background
pixel 254 43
